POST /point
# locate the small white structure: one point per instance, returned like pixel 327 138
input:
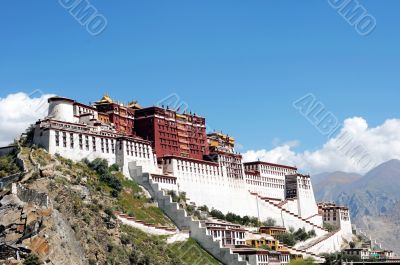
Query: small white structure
pixel 229 234
pixel 259 256
pixel 337 216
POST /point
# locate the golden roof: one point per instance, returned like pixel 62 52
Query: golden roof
pixel 134 105
pixel 182 116
pixel 106 99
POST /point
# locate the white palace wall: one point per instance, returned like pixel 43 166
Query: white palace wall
pixel 79 142
pixel 291 205
pixel 207 184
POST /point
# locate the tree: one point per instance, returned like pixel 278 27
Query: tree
pixel 352 244
pixel 245 220
pixel 287 238
pixel 203 208
pixel 114 167
pixel 99 165
pixel 312 233
pixel 254 221
pixel 217 214
pixel 233 218
pixel 112 181
pixel 269 222
pixel 301 234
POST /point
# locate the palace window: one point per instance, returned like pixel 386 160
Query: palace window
pixel 102 145
pixel 87 142
pixel 71 140
pixel 57 138
pixel 107 147
pixel 64 139
pixel 80 142
pixel 94 143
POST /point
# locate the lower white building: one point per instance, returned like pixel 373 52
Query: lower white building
pixel 77 141
pixel 260 256
pixel 336 216
pixel 228 234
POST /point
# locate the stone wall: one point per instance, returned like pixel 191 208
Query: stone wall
pixel 7 150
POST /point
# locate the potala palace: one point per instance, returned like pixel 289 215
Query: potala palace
pixel 172 151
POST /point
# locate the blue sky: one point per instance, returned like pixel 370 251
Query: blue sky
pixel 240 64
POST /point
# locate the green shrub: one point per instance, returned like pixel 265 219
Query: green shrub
pixel 269 222
pixel 287 238
pixel 32 259
pixel 203 208
pixel 114 167
pixel 8 166
pixel 217 214
pixel 99 165
pixel 330 227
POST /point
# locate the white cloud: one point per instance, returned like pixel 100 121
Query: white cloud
pixel 357 148
pixel 18 111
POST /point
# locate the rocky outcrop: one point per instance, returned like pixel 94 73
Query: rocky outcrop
pixel 6 181
pixel 30 225
pixel 30 196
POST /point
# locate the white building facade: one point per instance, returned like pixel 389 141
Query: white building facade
pixel 72 130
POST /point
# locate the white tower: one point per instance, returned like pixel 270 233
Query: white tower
pixel 61 109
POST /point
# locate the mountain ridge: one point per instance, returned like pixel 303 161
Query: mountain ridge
pixel 373 198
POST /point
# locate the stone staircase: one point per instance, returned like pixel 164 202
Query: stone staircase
pixel 328 243
pixel 147 227
pixel 183 221
pixel 306 223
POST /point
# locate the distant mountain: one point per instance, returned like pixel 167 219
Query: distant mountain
pixel 329 185
pixel 374 199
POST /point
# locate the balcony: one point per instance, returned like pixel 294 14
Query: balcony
pixel 184 141
pixel 183 134
pixel 184 147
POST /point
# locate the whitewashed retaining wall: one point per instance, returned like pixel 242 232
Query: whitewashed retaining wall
pixel 183 221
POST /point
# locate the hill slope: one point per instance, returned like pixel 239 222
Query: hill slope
pixel 64 215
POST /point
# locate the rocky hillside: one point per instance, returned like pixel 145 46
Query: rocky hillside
pixel 61 212
pixel 374 199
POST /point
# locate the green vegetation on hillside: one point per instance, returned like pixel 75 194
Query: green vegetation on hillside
pixel 234 218
pixel 32 260
pixel 141 248
pixel 331 258
pixel 291 237
pixel 8 165
pixel 91 217
pixel 307 261
pixel 190 252
pixel 42 157
pixel 130 198
pixel 330 227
